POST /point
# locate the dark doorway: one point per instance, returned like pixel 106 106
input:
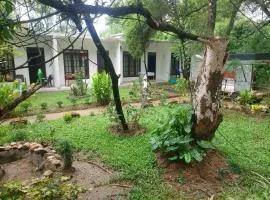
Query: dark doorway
pixel 36 56
pixel 100 62
pixel 152 65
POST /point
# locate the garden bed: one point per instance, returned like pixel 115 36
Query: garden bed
pixel 25 161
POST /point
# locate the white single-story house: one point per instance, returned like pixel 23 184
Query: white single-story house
pixel 83 56
pixel 238 75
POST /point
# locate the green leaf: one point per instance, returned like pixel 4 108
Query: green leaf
pixel 196 155
pixel 171 149
pixel 205 144
pixel 187 157
pixel 173 158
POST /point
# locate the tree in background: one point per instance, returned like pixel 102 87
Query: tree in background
pixel 203 28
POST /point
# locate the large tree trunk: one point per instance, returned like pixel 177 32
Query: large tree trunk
pixel 109 68
pixel 207 88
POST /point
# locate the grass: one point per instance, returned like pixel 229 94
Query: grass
pixel 51 98
pixel 134 159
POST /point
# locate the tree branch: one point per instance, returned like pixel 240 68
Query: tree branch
pixel 123 11
pixel 15 102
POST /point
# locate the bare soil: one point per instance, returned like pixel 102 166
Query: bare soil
pixel 198 180
pixel 134 130
pixel 97 180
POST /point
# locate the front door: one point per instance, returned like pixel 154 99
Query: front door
pixel 36 60
pixel 152 65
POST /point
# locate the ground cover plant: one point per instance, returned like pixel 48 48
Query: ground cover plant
pixel 243 139
pixel 57 101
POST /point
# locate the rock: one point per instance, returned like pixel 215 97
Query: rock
pixel 48 173
pixel 26 146
pixel 34 146
pixel 74 114
pixel 41 150
pixel 57 163
pixel 2 148
pixel 18 122
pixel 2 172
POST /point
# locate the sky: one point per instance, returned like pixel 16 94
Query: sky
pixel 100 23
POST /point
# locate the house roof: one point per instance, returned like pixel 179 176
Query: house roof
pixel 250 56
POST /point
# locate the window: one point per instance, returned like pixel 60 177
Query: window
pixel 174 65
pixel 131 66
pixel 7 67
pixel 74 61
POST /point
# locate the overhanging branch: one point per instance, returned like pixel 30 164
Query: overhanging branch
pixel 123 11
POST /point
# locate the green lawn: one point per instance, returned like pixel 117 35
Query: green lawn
pixel 51 98
pixel 134 159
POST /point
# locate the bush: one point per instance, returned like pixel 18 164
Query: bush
pixel 60 104
pixel 44 188
pixel 247 98
pixel 174 140
pixel 181 86
pixel 40 117
pixel 18 135
pixel 102 88
pixel 80 87
pixel 64 148
pixel 258 108
pixel 24 106
pixel 135 91
pixel 132 114
pixel 8 93
pixel 73 101
pixel 67 117
pixel 44 106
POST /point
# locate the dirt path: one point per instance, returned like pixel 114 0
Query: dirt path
pixel 86 112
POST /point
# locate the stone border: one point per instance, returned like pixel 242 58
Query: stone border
pixel 43 157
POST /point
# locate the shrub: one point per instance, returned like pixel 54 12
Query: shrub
pixel 132 114
pixel 181 86
pixel 102 88
pixel 67 117
pixel 7 93
pixel 60 104
pixel 64 148
pixel 258 108
pixel 111 114
pixel 80 87
pixel 24 106
pixel 87 100
pixel 174 140
pixel 73 101
pixel 40 117
pixel 44 106
pixel 247 98
pixel 44 188
pixel 135 91
pixel 18 135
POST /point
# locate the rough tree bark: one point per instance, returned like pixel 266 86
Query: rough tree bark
pixel 207 116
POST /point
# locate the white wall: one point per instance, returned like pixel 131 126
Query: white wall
pixel 115 48
pixel 163 61
pixel 20 58
pixel 240 84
